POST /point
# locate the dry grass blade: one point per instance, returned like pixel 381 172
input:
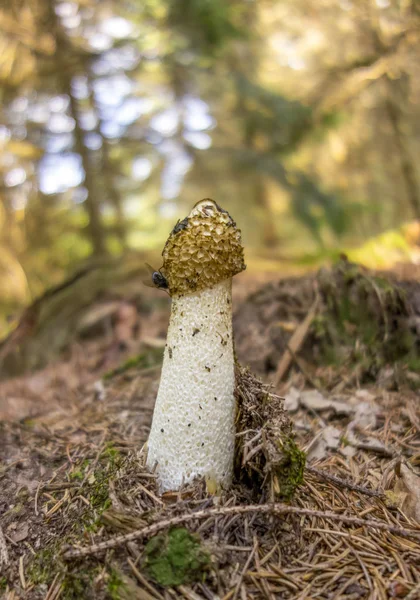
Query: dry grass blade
pixel 22 572
pixel 244 570
pixel 54 590
pixel 143 581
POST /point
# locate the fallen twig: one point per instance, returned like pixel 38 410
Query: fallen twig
pixel 275 509
pixel 4 555
pixel 378 449
pixel 295 342
pixel 345 484
pixel 303 369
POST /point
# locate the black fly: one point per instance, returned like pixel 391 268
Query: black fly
pixel 158 279
pixel 180 226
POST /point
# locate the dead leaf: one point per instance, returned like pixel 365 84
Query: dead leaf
pixel 100 392
pixel 348 451
pixel 302 424
pixel 408 484
pixel 126 325
pixel 328 439
pixel 397 589
pixel 332 437
pixel 364 395
pixel 97 316
pixel 365 415
pixel 13 408
pixel 20 533
pixel 317 450
pixel 341 408
pixel 374 445
pixel 314 400
pixel 291 400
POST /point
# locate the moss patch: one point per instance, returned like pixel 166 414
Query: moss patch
pixel 288 473
pixel 77 583
pixel 44 565
pixel 176 558
pixel 116 587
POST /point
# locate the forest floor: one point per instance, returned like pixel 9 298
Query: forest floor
pixel 72 477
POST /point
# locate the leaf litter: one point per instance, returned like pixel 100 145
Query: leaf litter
pixel 73 479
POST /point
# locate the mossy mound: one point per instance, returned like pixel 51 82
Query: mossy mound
pixel 365 320
pixel 266 455
pixel 365 323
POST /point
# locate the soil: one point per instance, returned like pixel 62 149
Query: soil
pixel 72 474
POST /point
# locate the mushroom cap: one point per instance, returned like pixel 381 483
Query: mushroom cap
pixel 202 250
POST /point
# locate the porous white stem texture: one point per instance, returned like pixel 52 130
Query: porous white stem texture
pixel 193 432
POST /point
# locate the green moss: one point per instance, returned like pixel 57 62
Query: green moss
pixel 99 493
pixel 3 584
pixel 413 364
pixel 116 586
pixel 176 558
pixel 99 499
pixel 145 360
pixel 112 455
pixel 76 475
pixel 79 473
pixel 15 510
pixel 319 326
pixel 97 488
pixel 44 565
pixel 77 584
pixel 289 473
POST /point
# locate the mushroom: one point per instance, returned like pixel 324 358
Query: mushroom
pixel 193 429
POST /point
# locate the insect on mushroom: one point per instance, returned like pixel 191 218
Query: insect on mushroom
pixel 158 279
pixel 193 430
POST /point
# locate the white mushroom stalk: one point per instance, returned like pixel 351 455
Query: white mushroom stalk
pixel 193 430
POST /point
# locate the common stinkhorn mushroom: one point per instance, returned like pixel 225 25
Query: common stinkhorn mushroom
pixel 193 430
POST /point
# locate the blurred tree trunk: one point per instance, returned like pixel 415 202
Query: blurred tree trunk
pixel 394 106
pixel 113 194
pixel 7 223
pixel 255 180
pixel 63 55
pixel 107 169
pixel 95 228
pixel 245 62
pixel 396 118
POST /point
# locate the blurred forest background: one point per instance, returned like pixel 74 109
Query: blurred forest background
pixel 301 118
